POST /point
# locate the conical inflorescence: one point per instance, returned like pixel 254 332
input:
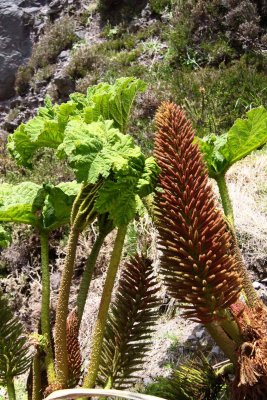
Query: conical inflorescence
pixel 197 262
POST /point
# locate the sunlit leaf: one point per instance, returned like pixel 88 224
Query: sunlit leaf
pixel 245 136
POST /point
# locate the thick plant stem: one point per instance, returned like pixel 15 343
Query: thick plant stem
pixel 231 328
pixel 62 310
pixel 225 197
pixel 249 290
pixel 98 335
pixel 11 389
pixel 227 345
pixel 88 273
pixel 45 308
pixel 36 377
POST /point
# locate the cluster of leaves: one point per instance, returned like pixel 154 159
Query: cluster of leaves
pixel 112 173
pixel 87 131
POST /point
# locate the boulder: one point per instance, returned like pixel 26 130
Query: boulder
pixel 15 44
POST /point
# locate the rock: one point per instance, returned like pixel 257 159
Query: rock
pixel 56 6
pixel 200 333
pixel 64 55
pixel 16 102
pixel 65 85
pixel 191 338
pixel 264 297
pixel 256 285
pixel 216 350
pixel 10 126
pixel 15 45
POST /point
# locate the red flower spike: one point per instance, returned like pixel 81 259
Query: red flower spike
pixel 198 267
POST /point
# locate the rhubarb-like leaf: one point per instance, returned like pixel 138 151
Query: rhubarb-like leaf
pixel 98 150
pixel 47 129
pixel 16 203
pixel 113 101
pixel 58 204
pixel 245 136
pixel 44 207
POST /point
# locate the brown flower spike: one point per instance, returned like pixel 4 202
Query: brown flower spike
pixel 73 347
pixel 197 263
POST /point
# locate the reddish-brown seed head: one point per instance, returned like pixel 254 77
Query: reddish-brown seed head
pixel 198 267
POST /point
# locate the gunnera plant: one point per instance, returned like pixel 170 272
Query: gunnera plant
pixel 113 176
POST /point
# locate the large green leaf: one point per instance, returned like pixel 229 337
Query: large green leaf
pixel 57 204
pixel 47 129
pixel 44 207
pixel 16 203
pixel 93 150
pixel 245 136
pixel 113 101
pixel 96 151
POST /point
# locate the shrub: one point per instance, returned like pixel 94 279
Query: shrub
pixel 23 77
pixel 199 27
pixel 158 6
pixel 83 60
pixel 56 37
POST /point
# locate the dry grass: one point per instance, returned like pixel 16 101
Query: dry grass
pixel 248 189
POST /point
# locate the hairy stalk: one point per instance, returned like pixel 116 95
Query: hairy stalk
pixel 249 290
pixel 227 345
pixel 82 214
pixel 88 273
pixel 62 309
pixel 98 335
pixel 11 389
pixel 36 377
pixel 45 308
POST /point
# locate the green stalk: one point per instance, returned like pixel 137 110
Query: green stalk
pixel 98 335
pixel 45 308
pixel 249 290
pixel 82 214
pixel 62 309
pixel 11 389
pixel 231 328
pixel 36 377
pixel 88 273
pixel 225 197
pixel 227 345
